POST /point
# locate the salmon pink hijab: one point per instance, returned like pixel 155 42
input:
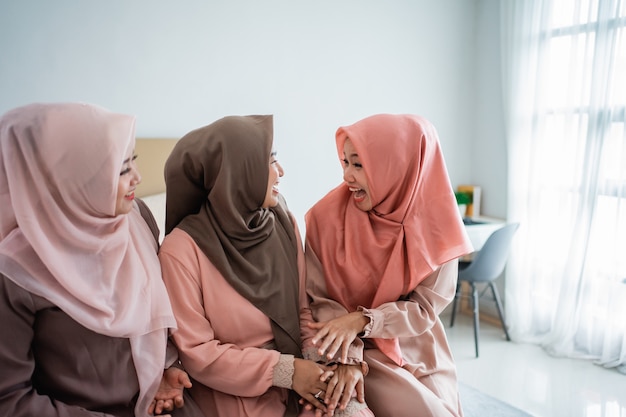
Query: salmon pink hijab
pixel 60 238
pixel 380 256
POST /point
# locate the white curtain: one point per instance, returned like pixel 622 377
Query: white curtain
pixel 564 72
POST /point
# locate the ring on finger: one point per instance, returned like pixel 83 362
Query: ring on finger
pixel 317 396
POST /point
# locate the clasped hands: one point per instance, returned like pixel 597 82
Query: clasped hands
pixel 342 380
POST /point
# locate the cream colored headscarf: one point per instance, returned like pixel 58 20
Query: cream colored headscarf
pixel 60 239
pixel 370 258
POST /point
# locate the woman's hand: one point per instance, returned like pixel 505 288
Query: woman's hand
pixel 338 333
pixel 170 393
pixel 309 380
pixel 341 387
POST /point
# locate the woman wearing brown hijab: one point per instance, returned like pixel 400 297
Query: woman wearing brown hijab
pixel 233 264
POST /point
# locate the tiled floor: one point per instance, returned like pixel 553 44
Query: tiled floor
pixel 526 377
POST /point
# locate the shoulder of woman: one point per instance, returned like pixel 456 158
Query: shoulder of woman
pixel 178 243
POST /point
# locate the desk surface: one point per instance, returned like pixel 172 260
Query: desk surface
pixel 480 228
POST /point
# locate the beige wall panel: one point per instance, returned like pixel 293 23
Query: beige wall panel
pixel 152 154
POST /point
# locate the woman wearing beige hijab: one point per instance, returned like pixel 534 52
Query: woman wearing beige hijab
pixel 84 312
pixel 381 255
pixel 233 264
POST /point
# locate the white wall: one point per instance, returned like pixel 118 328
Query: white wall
pixel 489 161
pixel 315 65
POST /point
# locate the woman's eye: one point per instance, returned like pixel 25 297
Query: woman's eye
pixel 358 165
pixel 127 170
pixel 344 162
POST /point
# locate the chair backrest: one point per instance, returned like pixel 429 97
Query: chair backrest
pixel 488 263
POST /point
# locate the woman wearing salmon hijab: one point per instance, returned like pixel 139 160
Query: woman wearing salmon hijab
pixel 233 263
pixel 381 252
pixel 84 312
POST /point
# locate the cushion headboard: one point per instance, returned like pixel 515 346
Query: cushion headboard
pixel 151 156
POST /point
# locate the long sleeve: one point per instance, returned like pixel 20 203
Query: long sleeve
pixel 415 315
pixel 420 311
pixel 219 349
pixel 322 306
pixel 18 396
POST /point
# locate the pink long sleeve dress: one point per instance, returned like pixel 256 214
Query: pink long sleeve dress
pixel 224 341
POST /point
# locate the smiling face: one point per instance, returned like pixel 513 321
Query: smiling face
pixel 129 179
pixel 275 172
pixel 354 177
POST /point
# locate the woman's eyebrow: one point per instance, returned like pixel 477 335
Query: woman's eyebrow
pixel 129 159
pixel 274 153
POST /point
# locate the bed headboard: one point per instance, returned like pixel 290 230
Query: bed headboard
pixel 152 154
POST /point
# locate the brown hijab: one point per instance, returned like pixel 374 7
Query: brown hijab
pixel 216 180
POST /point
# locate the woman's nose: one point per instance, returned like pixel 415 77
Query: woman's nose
pixel 347 175
pixel 136 175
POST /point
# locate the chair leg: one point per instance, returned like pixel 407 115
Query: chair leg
pixel 496 296
pixel 457 294
pixel 476 316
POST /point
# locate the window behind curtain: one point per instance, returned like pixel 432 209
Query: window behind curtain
pixel 569 288
pixel 579 101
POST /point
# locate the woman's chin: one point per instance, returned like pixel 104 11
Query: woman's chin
pixel 363 205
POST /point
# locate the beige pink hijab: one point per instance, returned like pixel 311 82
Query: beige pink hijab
pixel 371 258
pixel 60 238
